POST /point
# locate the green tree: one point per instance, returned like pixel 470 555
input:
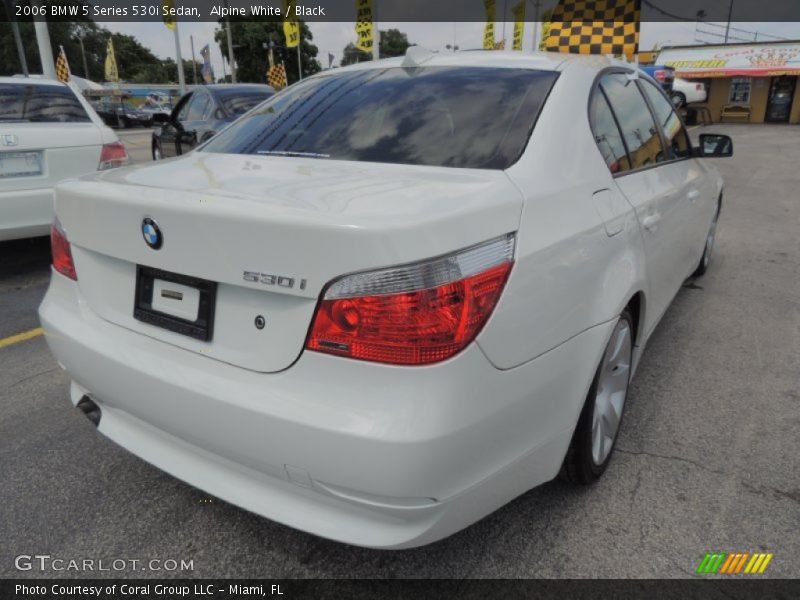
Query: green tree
pixel 393 43
pixel 352 55
pixel 249 37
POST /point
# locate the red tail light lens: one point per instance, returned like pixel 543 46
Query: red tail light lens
pixel 421 325
pixel 660 75
pixel 62 255
pixel 113 155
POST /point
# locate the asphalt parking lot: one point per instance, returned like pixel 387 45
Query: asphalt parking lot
pixel 708 458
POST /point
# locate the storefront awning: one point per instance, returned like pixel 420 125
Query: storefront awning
pixel 756 60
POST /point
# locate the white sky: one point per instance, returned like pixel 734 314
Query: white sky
pixel 333 37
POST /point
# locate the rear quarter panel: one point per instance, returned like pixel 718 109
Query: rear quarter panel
pixel 570 275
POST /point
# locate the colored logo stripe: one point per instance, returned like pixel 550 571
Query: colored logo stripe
pixel 730 564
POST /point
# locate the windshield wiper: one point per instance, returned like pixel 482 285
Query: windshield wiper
pixel 292 153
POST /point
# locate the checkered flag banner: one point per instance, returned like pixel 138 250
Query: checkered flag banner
pixel 595 27
pixel 276 77
pixel 62 66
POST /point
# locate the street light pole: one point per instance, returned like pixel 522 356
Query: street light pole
pixel 376 37
pixel 537 5
pixel 23 63
pixel 45 49
pixel 194 63
pixel 230 46
pixel 181 79
pixel 83 55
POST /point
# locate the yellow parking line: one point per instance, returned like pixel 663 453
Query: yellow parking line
pixel 21 337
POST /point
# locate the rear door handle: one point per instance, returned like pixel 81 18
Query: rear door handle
pixel 693 195
pixel 650 222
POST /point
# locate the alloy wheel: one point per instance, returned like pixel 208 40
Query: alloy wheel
pixel 612 391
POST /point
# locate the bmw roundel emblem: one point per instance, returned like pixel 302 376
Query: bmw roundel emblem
pixel 152 234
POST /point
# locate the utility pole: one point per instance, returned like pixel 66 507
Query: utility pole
pixel 194 62
pixel 17 38
pixel 45 49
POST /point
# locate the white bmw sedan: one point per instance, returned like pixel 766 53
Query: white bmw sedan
pixel 48 132
pixel 391 298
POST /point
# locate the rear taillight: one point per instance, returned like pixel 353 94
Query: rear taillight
pixel 113 155
pixel 699 87
pixel 415 314
pixel 62 255
pixel 660 75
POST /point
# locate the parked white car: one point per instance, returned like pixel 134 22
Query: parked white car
pixel 392 298
pixel 687 92
pixel 48 132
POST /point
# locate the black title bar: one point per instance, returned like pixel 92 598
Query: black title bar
pixel 388 10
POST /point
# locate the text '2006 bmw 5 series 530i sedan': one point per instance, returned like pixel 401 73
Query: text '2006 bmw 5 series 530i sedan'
pixel 391 298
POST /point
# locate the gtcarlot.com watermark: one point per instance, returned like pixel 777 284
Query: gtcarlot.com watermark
pixel 48 563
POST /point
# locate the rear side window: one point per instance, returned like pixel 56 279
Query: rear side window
pixel 237 103
pixel 198 106
pixel 607 134
pixel 638 128
pixel 677 138
pixel 468 117
pixel 40 104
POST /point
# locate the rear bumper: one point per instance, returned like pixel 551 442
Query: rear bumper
pixel 361 453
pixel 25 213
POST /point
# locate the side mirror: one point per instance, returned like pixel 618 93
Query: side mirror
pixel 715 144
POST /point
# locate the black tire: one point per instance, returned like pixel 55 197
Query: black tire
pixel 678 99
pixel 579 466
pixel 156 151
pixel 705 260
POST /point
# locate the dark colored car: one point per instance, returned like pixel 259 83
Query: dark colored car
pixel 201 113
pixel 122 114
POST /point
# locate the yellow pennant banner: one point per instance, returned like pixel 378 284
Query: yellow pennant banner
pixel 488 31
pixel 291 28
pixel 365 28
pixel 519 24
pixel 112 74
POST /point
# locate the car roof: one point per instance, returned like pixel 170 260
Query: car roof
pixel 221 87
pixel 544 61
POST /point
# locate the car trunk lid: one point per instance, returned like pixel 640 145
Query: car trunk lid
pixel 39 155
pixel 270 232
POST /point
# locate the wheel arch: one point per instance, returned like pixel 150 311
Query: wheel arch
pixel 636 306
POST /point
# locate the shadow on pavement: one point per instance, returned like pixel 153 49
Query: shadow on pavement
pixel 26 257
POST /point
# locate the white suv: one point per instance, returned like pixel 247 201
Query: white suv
pixel 48 132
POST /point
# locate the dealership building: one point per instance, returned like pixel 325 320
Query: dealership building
pixel 754 82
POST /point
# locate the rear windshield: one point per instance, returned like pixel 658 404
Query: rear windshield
pixel 239 102
pixel 40 104
pixel 470 117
